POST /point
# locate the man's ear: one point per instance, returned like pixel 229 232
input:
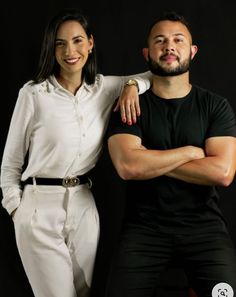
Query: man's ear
pixel 194 50
pixel 145 53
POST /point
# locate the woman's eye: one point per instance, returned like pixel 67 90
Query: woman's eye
pixel 78 40
pixel 59 44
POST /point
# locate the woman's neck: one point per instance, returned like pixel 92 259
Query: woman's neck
pixel 71 83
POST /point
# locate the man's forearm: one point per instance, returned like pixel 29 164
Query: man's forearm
pixel 133 161
pixel 206 171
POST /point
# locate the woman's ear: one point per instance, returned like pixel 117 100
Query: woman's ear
pixel 91 42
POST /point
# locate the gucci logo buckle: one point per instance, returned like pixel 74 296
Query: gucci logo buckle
pixel 70 181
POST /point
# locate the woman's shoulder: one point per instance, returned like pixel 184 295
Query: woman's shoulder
pixel 104 81
pixel 32 87
pixel 109 82
pixel 107 78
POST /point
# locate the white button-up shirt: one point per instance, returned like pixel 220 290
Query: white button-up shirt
pixel 61 132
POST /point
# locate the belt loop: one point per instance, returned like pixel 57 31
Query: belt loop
pixel 34 183
pixel 90 183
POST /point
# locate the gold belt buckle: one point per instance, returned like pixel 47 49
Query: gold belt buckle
pixel 69 181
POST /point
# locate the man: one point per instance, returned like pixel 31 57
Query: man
pixel 181 148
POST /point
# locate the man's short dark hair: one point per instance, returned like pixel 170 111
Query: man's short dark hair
pixel 170 16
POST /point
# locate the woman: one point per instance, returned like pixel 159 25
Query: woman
pixel 59 121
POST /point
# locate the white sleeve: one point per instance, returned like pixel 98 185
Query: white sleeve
pixel 11 198
pixel 143 79
pixel 115 84
pixel 15 150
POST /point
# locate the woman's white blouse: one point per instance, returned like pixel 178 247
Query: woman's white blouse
pixel 61 132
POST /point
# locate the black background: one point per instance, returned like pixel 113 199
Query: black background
pixel 120 30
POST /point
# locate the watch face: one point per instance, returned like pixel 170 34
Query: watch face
pixel 131 82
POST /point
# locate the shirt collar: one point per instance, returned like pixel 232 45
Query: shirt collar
pixel 53 81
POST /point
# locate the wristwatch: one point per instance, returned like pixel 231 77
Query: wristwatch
pixel 132 82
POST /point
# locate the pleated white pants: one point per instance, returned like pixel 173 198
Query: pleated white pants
pixel 57 231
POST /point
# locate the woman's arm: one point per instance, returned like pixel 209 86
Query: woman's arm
pixel 128 102
pixel 14 152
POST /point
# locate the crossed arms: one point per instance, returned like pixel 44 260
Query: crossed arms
pixel 215 165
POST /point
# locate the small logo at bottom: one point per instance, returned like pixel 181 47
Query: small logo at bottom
pixel 222 290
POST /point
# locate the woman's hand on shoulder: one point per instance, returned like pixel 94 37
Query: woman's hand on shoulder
pixel 128 104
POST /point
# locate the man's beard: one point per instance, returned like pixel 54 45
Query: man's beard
pixel 157 69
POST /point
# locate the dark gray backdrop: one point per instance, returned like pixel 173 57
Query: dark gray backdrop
pixel 119 31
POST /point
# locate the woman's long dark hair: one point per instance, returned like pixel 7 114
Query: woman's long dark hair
pixel 47 61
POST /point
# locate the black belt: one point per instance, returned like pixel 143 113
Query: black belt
pixel 65 182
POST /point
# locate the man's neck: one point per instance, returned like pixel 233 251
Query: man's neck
pixel 169 87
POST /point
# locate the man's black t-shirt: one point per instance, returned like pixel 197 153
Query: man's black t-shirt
pixel 168 204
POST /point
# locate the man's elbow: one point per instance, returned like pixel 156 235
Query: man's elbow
pixel 226 178
pixel 128 171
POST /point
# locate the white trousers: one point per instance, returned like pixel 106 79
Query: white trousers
pixel 57 231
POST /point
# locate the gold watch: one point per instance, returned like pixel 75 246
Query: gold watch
pixel 132 82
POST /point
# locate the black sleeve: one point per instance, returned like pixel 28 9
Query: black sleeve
pixel 116 126
pixel 223 121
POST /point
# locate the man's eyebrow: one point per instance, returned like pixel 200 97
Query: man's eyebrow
pixel 162 35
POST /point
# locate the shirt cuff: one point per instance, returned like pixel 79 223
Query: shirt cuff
pixel 144 83
pixel 11 198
